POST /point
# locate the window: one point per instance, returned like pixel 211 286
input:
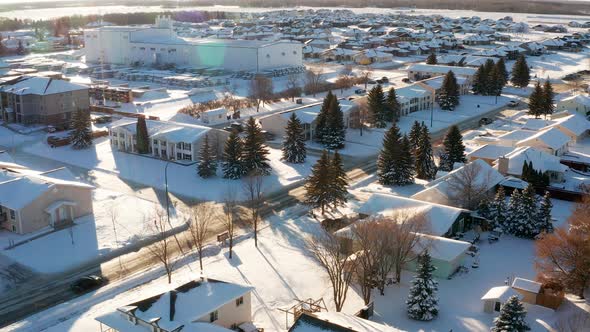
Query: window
pixel 12 215
pixel 179 145
pixel 294 52
pixel 283 53
pixel 213 316
pixel 239 301
pixel 178 155
pixel 187 146
pixel 268 55
pixel 497 306
pixel 152 49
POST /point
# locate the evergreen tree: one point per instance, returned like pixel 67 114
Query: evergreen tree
pixel 142 138
pixel 388 156
pixel 522 212
pixel 393 106
pixel 511 318
pixel 548 98
pixel 484 209
pixel 254 153
pixel 431 60
pixel 405 165
pixel 422 300
pixel 449 93
pixel 207 164
pixel 334 131
pixel 454 150
pixel 498 210
pixel 479 81
pixel 489 84
pixel 294 150
pixel 322 117
pixel 232 157
pixel 544 222
pixel 20 49
pixel 415 134
pixel 425 166
pixel 496 84
pixel 377 107
pixel 536 100
pixel 318 185
pixel 501 68
pixel 513 211
pixel 338 181
pixel 521 75
pixel 81 136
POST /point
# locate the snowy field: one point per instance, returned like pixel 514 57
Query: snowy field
pixel 182 180
pixel 92 236
pixel 281 270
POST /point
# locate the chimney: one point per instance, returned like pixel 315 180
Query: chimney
pixel 503 165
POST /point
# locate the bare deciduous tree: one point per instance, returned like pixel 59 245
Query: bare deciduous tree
pixel 325 248
pixel 344 82
pixel 253 190
pixel 406 241
pixel 468 186
pixel 261 90
pixel 365 75
pixel 202 215
pixel 230 217
pixel 293 86
pixel 369 255
pixel 313 80
pixel 161 249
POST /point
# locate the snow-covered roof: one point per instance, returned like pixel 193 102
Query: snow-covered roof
pixel 536 124
pixel 440 217
pixel 17 190
pixel 491 151
pixel 188 302
pixel 579 99
pixel 419 67
pixel 337 322
pixel 37 85
pixel 526 285
pixel 167 130
pixel 309 114
pixel 542 161
pixel 436 82
pixel 443 248
pixel 502 293
pixel 486 176
pixel 574 123
pixel 411 91
pixel 551 137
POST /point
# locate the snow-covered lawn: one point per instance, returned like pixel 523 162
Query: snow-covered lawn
pixel 556 64
pixel 281 270
pixel 182 180
pixel 92 236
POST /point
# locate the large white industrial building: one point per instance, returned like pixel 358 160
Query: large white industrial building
pixel 159 44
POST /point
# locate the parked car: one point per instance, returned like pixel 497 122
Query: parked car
pixel 360 91
pixel 87 283
pixel 406 80
pixel 385 79
pixel 485 121
pixel 513 103
pixel 379 81
pixel 372 82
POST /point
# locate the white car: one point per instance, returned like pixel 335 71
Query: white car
pixel 513 103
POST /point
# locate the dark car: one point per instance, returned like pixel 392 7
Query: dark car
pixel 87 283
pixel 360 91
pixel 372 82
pixel 406 80
pixel 485 121
pixel 385 79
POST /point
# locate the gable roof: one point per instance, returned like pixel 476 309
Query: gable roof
pixel 574 123
pixel 551 137
pixel 36 85
pixel 542 161
pixel 337 322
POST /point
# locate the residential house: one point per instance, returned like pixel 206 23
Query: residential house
pixel 415 97
pixel 449 189
pixel 331 321
pixel 370 56
pixel 489 153
pixel 42 100
pixel 551 140
pixel 31 200
pixel 199 305
pixel 167 140
pixel 578 103
pixel 420 71
pixel 574 125
pixel 512 163
pixel 277 123
pixel 435 83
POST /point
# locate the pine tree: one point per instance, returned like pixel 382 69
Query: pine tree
pixel 489 84
pixel 422 301
pixel 544 222
pixel 142 138
pixel 548 98
pixel 498 210
pixel 318 185
pixel 377 107
pixel 20 49
pixel 415 133
pixel 501 68
pixel 425 166
pixel 81 136
pixel 254 154
pixel 405 164
pixel 388 156
pixel 334 131
pixel 479 81
pixel 207 164
pixel 513 212
pixel 536 100
pixel 512 317
pixel 393 106
pixel 232 157
pixel 322 117
pixel 484 209
pixel 521 75
pixel 294 150
pixel 496 83
pixel 431 60
pixel 449 93
pixel 338 182
pixel 522 212
pixel 454 150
